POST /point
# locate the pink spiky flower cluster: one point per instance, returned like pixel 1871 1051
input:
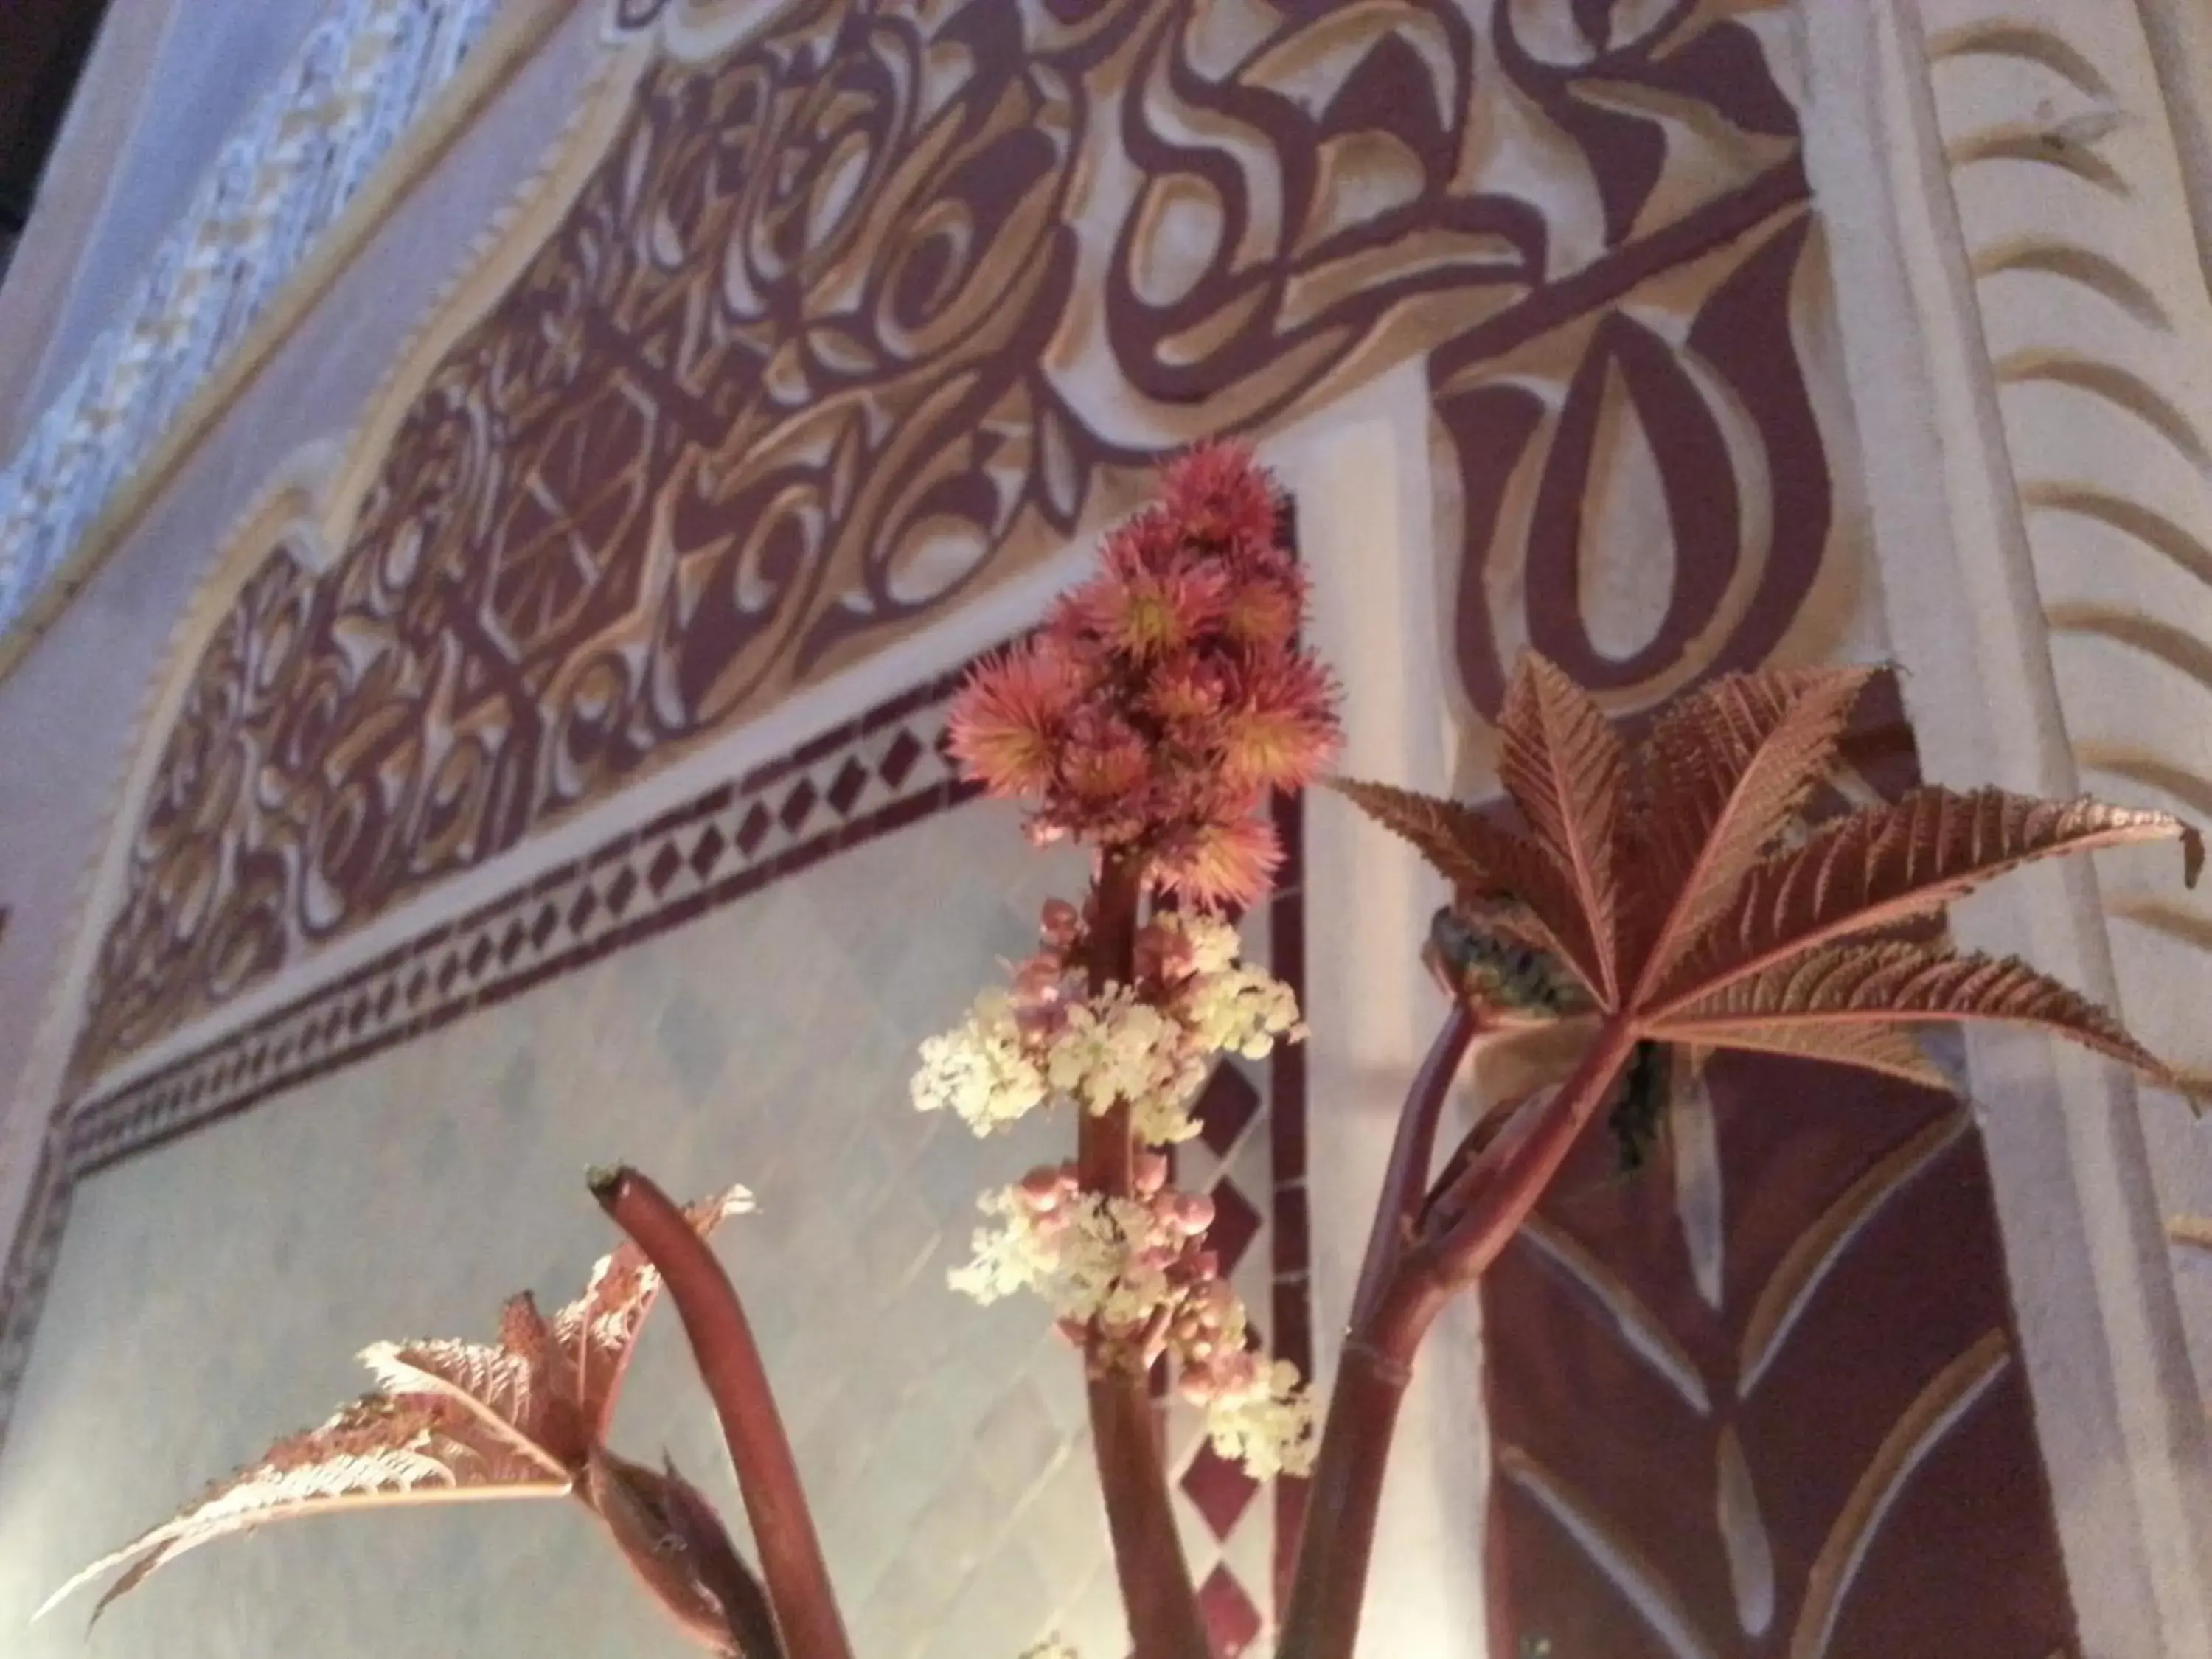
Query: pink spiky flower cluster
pixel 1164 698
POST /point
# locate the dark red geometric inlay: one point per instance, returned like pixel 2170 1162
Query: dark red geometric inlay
pixel 1231 1621
pixel 797 804
pixel 620 891
pixel 662 871
pixel 758 821
pixel 709 852
pixel 1236 1223
pixel 845 788
pixel 899 759
pixel 582 912
pixel 1225 1109
pixel 1219 1489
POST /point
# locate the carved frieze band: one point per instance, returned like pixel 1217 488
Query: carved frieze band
pixel 874 308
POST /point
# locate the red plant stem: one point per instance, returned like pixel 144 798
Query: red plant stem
pixel 1105 1157
pixel 1405 1179
pixel 1498 1196
pixel 1329 1585
pixel 1157 1594
pixel 729 1364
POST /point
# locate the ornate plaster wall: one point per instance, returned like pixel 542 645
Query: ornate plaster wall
pixel 95 134
pixel 71 713
pixel 827 334
pixel 2027 243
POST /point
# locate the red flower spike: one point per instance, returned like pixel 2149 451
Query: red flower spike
pixel 1005 726
pixel 1216 492
pixel 1166 696
pixel 1221 864
pixel 1283 731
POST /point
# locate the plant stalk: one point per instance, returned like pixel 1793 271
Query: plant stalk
pixel 1328 1587
pixel 1158 1596
pixel 1405 1179
pixel 1105 1156
pixel 729 1364
pixel 1489 1203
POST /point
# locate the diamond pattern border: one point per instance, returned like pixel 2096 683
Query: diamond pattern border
pixel 867 778
pixel 1250 1158
pixel 844 787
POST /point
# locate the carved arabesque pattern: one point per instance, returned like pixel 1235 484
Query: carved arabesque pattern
pixel 1704 382
pixel 868 312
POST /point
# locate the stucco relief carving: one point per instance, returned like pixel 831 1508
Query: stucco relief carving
pixel 868 311
pixel 2091 300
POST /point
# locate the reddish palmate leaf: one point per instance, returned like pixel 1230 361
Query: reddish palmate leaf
pixel 1890 864
pixel 1705 933
pixel 1889 985
pixel 596 1332
pixel 456 1421
pixel 380 1450
pixel 1877 1046
pixel 514 1391
pixel 1725 770
pixel 1567 771
pixel 1741 934
pixel 1491 869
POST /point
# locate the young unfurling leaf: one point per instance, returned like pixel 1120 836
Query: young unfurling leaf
pixel 383 1449
pixel 596 1333
pixel 455 1422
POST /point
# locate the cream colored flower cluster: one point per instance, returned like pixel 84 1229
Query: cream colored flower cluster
pixel 1151 1044
pixel 1129 1276
pixel 1052 1649
pixel 1266 1423
pixel 1136 1270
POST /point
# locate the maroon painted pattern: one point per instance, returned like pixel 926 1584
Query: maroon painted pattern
pixel 845 787
pixel 800 367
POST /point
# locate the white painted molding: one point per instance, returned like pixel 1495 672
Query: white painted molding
pixel 1998 329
